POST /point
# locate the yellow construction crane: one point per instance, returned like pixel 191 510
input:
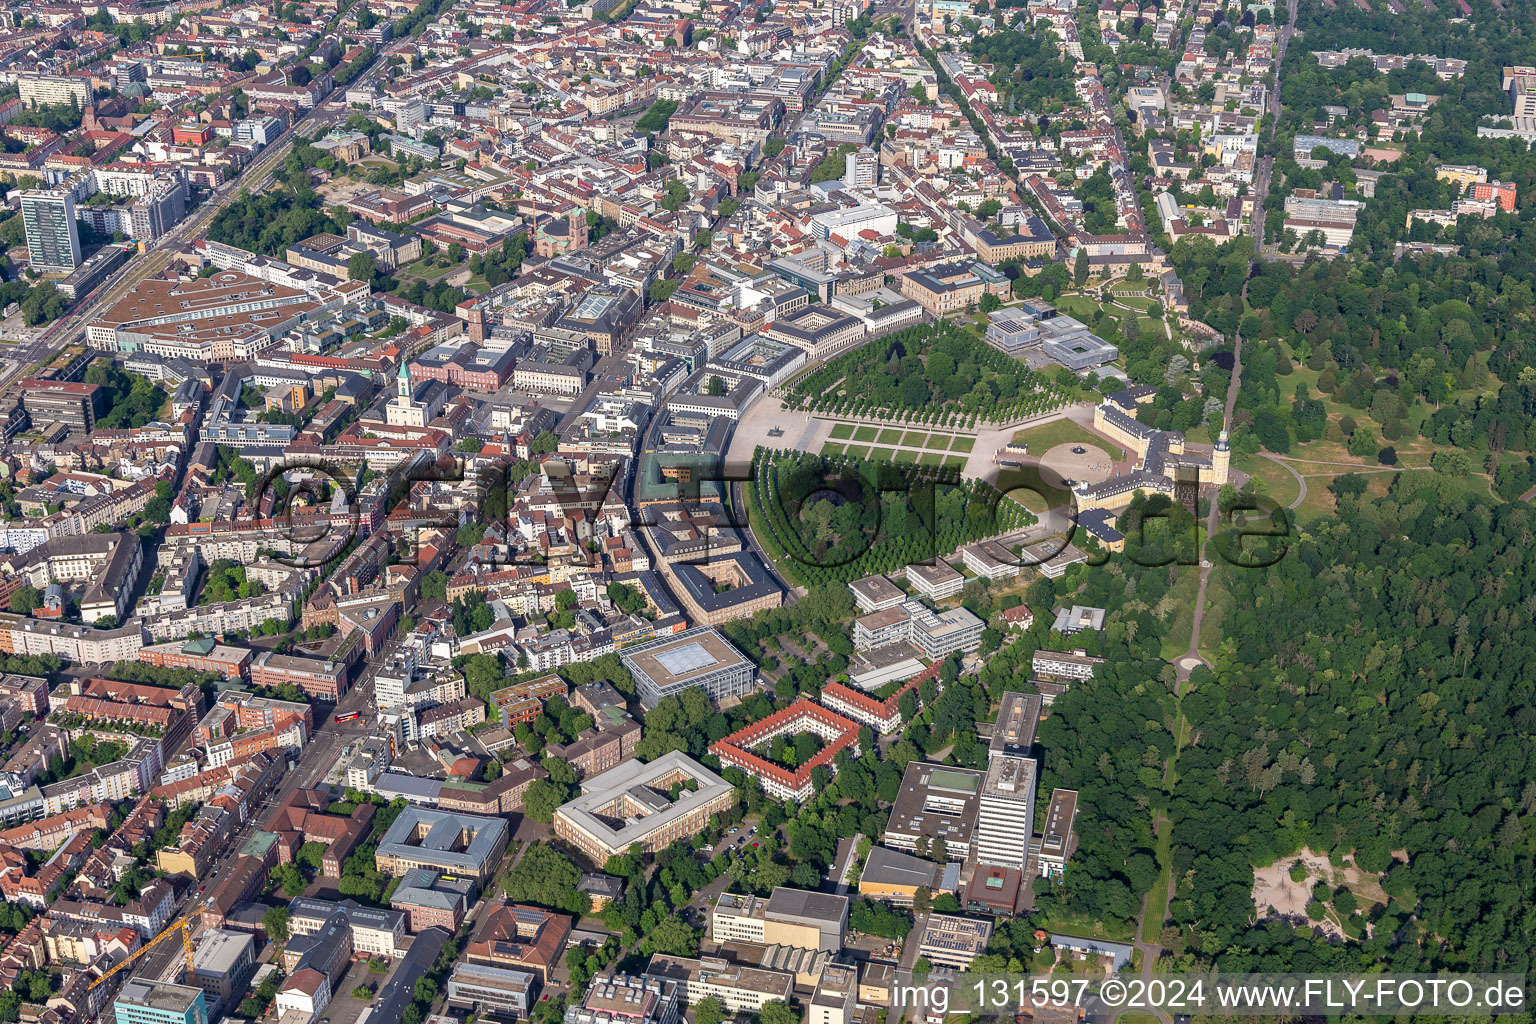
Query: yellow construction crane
pixel 181 926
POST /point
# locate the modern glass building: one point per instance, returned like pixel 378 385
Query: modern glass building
pixel 142 1001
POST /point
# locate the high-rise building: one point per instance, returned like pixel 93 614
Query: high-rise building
pixel 143 1001
pixel 129 72
pixel 53 90
pixel 1006 818
pixel 861 168
pixel 52 238
pixel 160 209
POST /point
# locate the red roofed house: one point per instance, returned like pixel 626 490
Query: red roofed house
pixel 802 716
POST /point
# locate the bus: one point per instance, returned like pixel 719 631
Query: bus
pixel 349 716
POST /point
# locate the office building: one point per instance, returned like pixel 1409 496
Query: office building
pixel 626 999
pixel 789 917
pixel 1057 841
pixel 73 404
pixel 835 996
pixel 145 1001
pixel 374 931
pixel 632 804
pixel 323 680
pixel 896 877
pixel 1018 716
pixel 53 241
pixel 935 802
pixel 223 966
pixel 1006 811
pixel 876 593
pixel 934 634
pixel 737 987
pixel 431 899
pixel 1078 664
pixel 951 941
pixel 993 890
pixel 494 989
pixel 698 657
pixel 1078 618
pixel 456 844
pixel 936 581
pixel 516 937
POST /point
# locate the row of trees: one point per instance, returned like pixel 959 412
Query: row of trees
pixel 931 370
pixel 881 519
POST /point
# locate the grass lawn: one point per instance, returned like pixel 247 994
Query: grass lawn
pixel 1076 305
pixel 1182 594
pixel 865 433
pixel 890 437
pixel 1043 438
pixel 421 270
pixel 842 431
pixel 832 448
pixel 1275 481
pixel 930 459
pixel 877 454
pixel 963 444
pixel 939 442
pixel 906 456
pixel 857 451
pixel 954 460
pixel 915 440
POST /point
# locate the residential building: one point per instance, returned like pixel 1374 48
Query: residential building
pixel 837 732
pixel 53 240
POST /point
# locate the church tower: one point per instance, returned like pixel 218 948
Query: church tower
pixel 1221 460
pixel 403 386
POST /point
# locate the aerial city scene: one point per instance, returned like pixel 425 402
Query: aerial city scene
pixel 767 511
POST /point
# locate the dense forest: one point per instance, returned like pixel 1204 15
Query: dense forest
pixel 1367 703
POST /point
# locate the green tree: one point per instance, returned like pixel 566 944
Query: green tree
pixel 25 600
pixel 540 800
pixel 708 1010
pixel 275 923
pixel 362 267
pixel 1080 269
